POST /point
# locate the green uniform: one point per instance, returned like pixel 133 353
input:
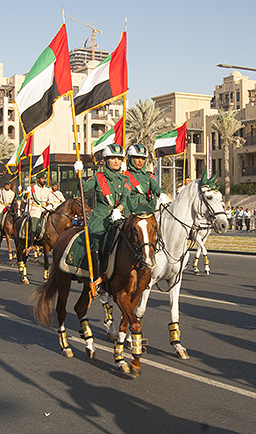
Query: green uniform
pixel 147 185
pixel 100 218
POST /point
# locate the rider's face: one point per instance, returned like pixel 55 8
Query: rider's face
pixel 7 187
pixel 138 162
pixel 114 163
pixel 42 181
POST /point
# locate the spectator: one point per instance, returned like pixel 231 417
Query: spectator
pixel 229 216
pixel 232 218
pixel 240 216
pixel 236 216
pixel 247 217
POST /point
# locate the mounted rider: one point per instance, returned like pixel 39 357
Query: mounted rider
pixel 112 189
pixel 57 197
pixel 6 198
pixel 144 185
pixel 40 201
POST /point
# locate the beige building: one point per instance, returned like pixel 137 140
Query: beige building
pixel 59 131
pixel 200 110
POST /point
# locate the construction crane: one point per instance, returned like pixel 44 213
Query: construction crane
pixel 93 35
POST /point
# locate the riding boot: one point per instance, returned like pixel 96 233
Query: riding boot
pixel 31 239
pixel 96 259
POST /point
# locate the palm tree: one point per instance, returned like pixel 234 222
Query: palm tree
pixel 226 125
pixel 6 148
pixel 143 123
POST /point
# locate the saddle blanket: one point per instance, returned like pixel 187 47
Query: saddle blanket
pixel 40 229
pixel 74 258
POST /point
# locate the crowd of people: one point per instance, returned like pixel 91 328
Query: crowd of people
pixel 238 218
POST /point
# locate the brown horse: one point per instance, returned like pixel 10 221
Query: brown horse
pixel 135 257
pixel 13 212
pixel 57 222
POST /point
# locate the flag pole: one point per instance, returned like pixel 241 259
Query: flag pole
pixel 184 166
pixel 124 121
pixel 28 207
pixel 86 232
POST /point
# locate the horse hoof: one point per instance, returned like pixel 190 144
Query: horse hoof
pixel 111 337
pixel 90 353
pixel 135 372
pixel 182 354
pixel 67 352
pixel 207 272
pixel 25 280
pixel 197 273
pixel 11 264
pixel 123 367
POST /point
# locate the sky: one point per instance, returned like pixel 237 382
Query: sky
pixel 173 45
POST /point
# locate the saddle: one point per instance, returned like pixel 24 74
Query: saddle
pixel 40 228
pixel 74 258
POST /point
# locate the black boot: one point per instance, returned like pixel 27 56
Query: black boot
pixel 31 238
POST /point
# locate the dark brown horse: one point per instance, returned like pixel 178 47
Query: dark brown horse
pixel 58 221
pixel 13 212
pixel 135 257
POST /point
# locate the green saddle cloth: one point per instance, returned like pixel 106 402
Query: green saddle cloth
pixel 40 229
pixel 74 258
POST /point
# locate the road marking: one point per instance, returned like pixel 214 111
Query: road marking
pixel 156 365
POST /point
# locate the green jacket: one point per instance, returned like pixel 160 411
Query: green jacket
pixel 100 218
pixel 147 187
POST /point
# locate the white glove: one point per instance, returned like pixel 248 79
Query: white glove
pixel 116 214
pixel 78 166
pixel 123 166
pixel 49 207
pixel 20 188
pixel 163 199
pixel 28 189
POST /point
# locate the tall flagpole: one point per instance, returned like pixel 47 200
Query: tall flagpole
pixel 184 166
pixel 86 231
pixel 124 121
pixel 79 173
pixel 28 206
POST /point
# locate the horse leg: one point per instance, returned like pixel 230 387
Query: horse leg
pixel 173 326
pixel 119 347
pixel 81 308
pixel 123 301
pixel 206 261
pixel 63 282
pixel 36 254
pixel 108 317
pixel 197 256
pixel 8 241
pixel 21 261
pixel 46 262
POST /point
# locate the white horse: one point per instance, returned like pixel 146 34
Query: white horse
pixel 176 221
pixel 199 234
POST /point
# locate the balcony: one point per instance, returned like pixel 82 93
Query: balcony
pixel 99 117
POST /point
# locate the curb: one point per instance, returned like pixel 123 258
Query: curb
pixel 231 252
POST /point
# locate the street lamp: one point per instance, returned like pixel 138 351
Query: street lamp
pixel 224 65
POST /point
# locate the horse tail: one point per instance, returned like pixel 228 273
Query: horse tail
pixel 42 299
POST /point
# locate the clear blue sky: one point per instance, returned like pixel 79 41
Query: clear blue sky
pixel 173 45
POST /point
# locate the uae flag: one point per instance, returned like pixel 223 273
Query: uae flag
pixel 48 79
pixel 23 151
pixel 105 82
pixel 114 135
pixel 171 143
pixel 44 160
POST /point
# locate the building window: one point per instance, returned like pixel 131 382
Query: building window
pixel 77 128
pixel 75 90
pixel 213 142
pixel 74 146
pixel 219 140
pixel 111 112
pixel 116 113
pixel 237 96
pixel 213 166
pixel 219 161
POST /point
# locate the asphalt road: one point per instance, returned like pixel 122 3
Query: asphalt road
pixel 212 392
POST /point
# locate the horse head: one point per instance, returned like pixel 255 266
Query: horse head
pixel 143 235
pixel 76 207
pixel 213 206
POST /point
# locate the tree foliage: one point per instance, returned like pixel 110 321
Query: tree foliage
pixel 6 148
pixel 143 123
pixel 226 125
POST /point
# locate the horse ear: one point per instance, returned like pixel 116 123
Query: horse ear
pixel 214 176
pixel 204 179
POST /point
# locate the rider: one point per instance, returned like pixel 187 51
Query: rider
pixel 57 197
pixel 6 198
pixel 144 184
pixel 40 201
pixel 112 189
